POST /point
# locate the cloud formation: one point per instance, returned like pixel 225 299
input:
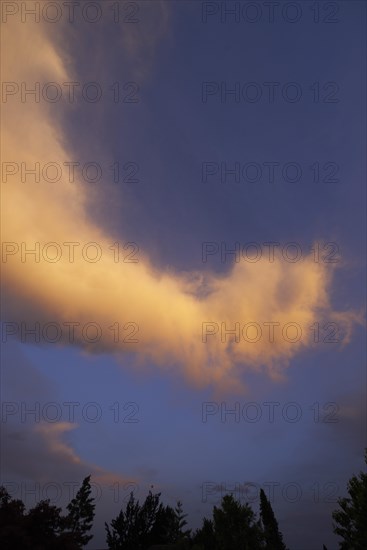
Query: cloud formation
pixel 47 442
pixel 176 325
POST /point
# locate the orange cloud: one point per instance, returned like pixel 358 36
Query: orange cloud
pixel 173 320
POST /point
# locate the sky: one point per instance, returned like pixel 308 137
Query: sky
pixel 183 255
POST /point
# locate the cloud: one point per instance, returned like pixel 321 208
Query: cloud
pixel 37 446
pixel 50 456
pixel 167 309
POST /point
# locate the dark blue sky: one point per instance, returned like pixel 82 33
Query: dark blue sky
pixel 169 139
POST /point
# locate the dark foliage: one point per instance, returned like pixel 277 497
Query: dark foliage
pixel 44 527
pixel 351 519
pixel 272 536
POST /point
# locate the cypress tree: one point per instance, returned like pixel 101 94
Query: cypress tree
pixel 273 537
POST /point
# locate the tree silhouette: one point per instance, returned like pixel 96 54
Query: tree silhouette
pixel 12 522
pixel 81 514
pixel 204 538
pixel 234 526
pixel 141 526
pixel 165 527
pixel 351 519
pixel 43 527
pixel 181 523
pixel 123 532
pixel 273 537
